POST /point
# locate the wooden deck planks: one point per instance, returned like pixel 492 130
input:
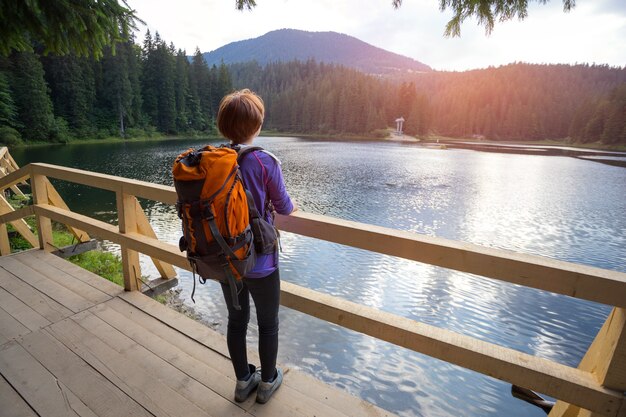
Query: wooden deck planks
pixel 45 394
pixel 94 390
pixel 315 397
pixel 22 312
pixel 68 298
pixel 10 327
pixel 207 366
pixel 76 271
pixel 61 277
pixel 19 408
pixel 155 367
pixel 167 350
pixel 73 346
pixel 171 318
pixel 35 299
pixel 153 395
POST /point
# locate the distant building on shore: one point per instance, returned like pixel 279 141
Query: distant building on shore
pixel 399 123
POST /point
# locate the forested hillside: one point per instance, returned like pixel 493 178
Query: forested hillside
pixel 515 102
pixel 153 88
pixel 312 97
pixel 137 91
pixel 526 102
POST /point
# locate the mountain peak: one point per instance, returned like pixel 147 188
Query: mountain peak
pixel 329 47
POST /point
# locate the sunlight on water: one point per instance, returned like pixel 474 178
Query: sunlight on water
pixel 558 207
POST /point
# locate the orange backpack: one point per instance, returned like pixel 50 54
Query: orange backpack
pixel 215 209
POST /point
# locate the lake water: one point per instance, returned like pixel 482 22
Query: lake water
pixel 557 207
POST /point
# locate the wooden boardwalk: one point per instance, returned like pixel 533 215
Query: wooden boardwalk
pixel 75 344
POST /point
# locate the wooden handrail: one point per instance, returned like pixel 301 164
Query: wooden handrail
pixel 551 378
pixel 584 387
pixel 48 195
pixel 18 214
pixel 15 177
pixel 136 188
pixel 574 280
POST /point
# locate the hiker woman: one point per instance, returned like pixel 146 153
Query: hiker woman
pixel 239 119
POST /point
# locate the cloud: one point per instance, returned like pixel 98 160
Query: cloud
pixel 610 6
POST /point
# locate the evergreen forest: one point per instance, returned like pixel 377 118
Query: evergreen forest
pixel 152 88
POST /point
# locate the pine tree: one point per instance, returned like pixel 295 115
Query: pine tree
pixel 72 89
pixel 8 110
pixel 133 59
pixel 406 99
pixel 149 86
pixel 62 27
pixel 30 93
pixel 417 122
pixel 595 126
pixel 116 94
pixel 200 88
pixel 615 124
pixel 166 96
pixel 224 83
pixel 581 117
pixel 182 94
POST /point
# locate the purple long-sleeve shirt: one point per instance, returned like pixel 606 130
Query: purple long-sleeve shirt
pixel 263 177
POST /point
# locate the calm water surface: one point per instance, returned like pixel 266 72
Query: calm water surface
pixel 558 207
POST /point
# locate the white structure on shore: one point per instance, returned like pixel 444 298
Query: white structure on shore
pixel 399 122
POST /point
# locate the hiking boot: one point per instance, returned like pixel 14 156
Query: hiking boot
pixel 244 388
pixel 266 389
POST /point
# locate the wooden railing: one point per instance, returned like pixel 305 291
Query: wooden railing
pixel 595 388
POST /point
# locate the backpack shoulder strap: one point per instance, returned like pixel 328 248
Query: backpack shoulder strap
pixel 242 152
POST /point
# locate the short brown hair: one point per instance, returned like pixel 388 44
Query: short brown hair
pixel 240 115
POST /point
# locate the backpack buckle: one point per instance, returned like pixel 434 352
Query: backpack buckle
pixel 207 213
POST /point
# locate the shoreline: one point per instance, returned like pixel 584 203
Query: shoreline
pixel 114 139
pixel 441 141
pixel 403 139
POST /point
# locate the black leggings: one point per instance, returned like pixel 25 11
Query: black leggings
pixel 266 295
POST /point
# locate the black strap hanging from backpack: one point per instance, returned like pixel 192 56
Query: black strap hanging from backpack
pixel 266 235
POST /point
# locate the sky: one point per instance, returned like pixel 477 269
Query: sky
pixel 593 32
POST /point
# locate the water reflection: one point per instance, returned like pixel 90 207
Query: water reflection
pixel 564 208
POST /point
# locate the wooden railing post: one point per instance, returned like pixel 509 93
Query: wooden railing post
pixel 143 226
pixel 54 199
pixel 7 165
pixel 44 224
pixel 19 225
pixel 5 246
pixel 127 220
pixel 605 360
